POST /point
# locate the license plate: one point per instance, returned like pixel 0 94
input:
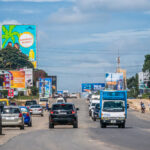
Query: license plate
pixel 113 121
pixel 10 118
pixel 62 113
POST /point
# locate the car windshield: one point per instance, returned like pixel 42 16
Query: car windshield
pixel 60 101
pixel 11 111
pixel 31 103
pixel 62 107
pixel 43 100
pixel 3 103
pixel 36 106
pixel 93 104
pixel 113 106
pixel 24 110
pixel 97 106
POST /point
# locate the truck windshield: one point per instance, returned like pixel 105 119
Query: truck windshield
pixel 113 106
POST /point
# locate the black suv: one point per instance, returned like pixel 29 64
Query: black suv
pixel 63 114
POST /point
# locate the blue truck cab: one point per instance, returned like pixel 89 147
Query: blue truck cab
pixel 113 108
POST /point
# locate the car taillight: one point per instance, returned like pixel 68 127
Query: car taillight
pixel 73 112
pixel 30 109
pixel 27 115
pixel 20 115
pixel 52 112
pixel 40 109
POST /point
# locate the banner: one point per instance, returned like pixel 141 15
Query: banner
pixel 115 80
pixel 45 87
pixel 89 87
pixel 22 37
pixel 18 79
pixel 28 76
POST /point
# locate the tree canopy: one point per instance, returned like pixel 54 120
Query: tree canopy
pixel 12 58
pixel 146 65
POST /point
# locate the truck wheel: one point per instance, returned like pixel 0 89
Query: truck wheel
pixel 75 125
pixel 123 125
pixel 51 125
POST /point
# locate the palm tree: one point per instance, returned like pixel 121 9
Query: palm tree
pixel 7 34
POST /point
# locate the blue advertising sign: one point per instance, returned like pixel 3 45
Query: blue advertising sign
pixel 45 87
pixel 21 37
pixel 60 92
pixel 88 87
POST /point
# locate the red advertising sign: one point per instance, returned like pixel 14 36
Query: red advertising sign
pixel 11 93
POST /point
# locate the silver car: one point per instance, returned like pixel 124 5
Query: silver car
pixel 12 117
pixel 36 110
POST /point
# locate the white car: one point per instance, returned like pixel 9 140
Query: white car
pixel 73 95
pixel 60 100
pixel 92 106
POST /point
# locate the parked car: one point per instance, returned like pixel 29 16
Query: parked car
pixel 36 110
pixel 73 95
pixel 43 101
pixel 92 106
pixel 27 116
pixel 95 112
pixel 63 114
pixel 12 117
pixel 60 100
pixel 30 102
pixel 13 104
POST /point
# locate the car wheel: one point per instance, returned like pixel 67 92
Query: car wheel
pixel 30 124
pixel 89 113
pixel 75 125
pixel 119 126
pixel 22 127
pixel 51 125
pixel 103 125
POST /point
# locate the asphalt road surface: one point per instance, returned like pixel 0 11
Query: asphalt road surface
pixel 89 135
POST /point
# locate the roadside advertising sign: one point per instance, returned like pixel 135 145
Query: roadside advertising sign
pixel 45 87
pixel 22 37
pixel 144 80
pixel 11 93
pixel 88 87
pixel 115 80
pixel 28 76
pixel 18 79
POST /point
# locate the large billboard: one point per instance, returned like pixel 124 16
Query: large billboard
pixel 115 80
pixel 18 79
pixel 89 87
pixel 45 87
pixel 144 80
pixel 22 37
pixel 28 76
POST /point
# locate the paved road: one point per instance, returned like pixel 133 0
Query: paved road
pixel 88 136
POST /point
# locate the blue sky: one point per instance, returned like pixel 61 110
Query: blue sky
pixel 78 40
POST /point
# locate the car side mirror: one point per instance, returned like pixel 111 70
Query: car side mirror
pixel 77 109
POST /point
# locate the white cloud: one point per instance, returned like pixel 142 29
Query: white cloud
pixel 72 15
pixel 104 5
pixel 36 0
pixel 112 36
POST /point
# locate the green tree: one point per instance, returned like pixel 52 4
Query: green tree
pixel 9 34
pixel 146 65
pixel 12 58
pixel 132 84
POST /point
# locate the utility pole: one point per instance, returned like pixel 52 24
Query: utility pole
pixel 118 62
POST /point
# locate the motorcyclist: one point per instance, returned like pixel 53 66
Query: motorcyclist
pixel 142 107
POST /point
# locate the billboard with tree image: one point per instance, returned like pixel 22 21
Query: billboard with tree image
pixel 22 37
